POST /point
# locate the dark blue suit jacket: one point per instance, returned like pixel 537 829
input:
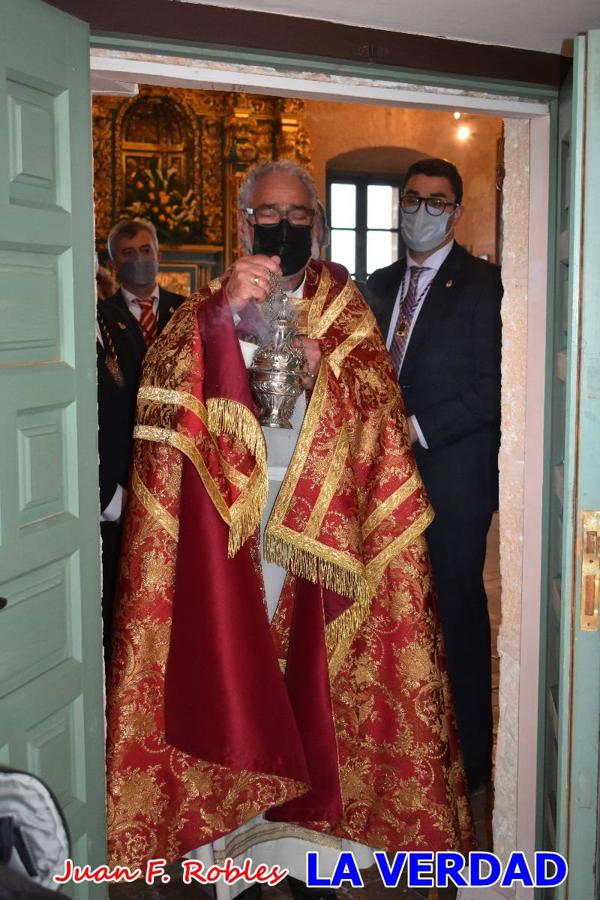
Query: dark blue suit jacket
pixel 450 378
pixel 116 402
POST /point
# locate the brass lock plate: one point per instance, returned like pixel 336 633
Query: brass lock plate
pixel 590 571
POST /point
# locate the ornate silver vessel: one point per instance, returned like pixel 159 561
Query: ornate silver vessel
pixel 277 366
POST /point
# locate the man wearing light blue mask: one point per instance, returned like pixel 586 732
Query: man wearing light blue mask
pixel 439 309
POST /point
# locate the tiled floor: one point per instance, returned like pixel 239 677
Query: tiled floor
pixel 374 888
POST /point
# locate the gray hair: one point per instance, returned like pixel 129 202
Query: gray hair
pixel 129 228
pixel 279 166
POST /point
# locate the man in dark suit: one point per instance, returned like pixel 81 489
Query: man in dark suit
pixel 127 323
pixel 439 311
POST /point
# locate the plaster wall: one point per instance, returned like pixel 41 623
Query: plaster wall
pixel 515 262
pixel 336 128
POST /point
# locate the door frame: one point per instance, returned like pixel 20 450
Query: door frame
pixel 311 78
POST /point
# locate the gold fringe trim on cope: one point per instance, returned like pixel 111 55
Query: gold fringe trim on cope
pixel 233 418
pixel 230 417
pixel 243 517
pixel 340 633
pixel 306 564
pixel 247 511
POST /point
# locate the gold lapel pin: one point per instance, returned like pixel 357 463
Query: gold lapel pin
pixel 449 283
pixel 171 309
pixel 122 326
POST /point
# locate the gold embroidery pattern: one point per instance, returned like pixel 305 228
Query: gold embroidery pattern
pixel 296 550
pixel 382 511
pixel 242 514
pixel 400 774
pixel 325 540
pixel 334 310
pixel 265 832
pixel 402 783
pixel 376 567
pixel 188 448
pixel 221 438
pixel 151 504
pixel 317 526
pixel 332 480
pixel 191 403
pixel 176 398
pixel 362 331
pixel 161 800
pixel 311 420
pixel 315 309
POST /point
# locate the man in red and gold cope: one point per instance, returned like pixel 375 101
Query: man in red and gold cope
pixel 272 697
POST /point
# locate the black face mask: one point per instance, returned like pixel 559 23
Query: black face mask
pixel 292 243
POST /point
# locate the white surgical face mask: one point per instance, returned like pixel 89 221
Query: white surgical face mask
pixel 422 232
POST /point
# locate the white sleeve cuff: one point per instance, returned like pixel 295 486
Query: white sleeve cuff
pixel 420 434
pixel 113 511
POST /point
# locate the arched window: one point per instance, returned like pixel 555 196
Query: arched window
pixel 363 200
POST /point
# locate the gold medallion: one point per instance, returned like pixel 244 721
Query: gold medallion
pixel 171 309
pixel 449 283
pixel 113 367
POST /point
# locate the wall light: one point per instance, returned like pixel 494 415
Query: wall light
pixel 463 132
pixel 456 114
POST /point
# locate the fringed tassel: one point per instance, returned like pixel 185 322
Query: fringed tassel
pixel 307 565
pixel 246 522
pixel 231 417
pixel 344 628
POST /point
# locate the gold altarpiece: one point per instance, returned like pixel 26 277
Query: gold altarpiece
pixel 206 140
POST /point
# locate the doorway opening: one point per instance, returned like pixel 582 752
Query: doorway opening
pixel 503 231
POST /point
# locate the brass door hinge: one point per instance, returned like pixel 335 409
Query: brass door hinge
pixel 590 571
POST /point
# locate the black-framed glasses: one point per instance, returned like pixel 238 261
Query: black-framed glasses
pixel 435 206
pixel 272 214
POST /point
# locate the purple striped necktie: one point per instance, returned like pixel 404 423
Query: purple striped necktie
pixel 405 316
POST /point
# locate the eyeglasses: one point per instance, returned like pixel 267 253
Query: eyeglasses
pixel 271 214
pixel 435 206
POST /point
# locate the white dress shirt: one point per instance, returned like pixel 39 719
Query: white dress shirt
pixel 433 264
pixel 134 308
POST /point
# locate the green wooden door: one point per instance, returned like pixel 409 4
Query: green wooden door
pixel 569 706
pixel 51 702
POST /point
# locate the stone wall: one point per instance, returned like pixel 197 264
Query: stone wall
pixel 515 225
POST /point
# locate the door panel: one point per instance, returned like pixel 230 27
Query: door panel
pixel 51 703
pixel 569 706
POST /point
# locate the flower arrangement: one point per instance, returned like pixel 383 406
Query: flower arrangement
pixel 156 195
